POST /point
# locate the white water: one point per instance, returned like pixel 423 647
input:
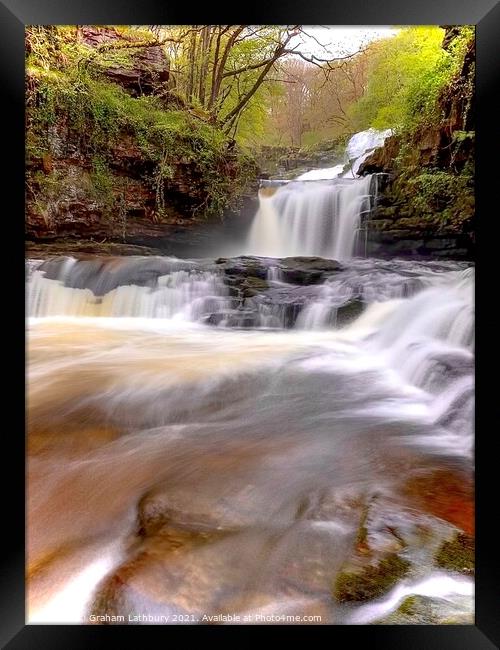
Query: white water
pixel 440 586
pixel 310 219
pixel 245 426
pixel 70 603
pixel 418 319
pixel 321 174
pixel 317 218
pixel 361 145
pixel 180 295
pixel 262 440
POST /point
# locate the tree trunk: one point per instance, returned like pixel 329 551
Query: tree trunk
pixel 192 67
pixel 205 54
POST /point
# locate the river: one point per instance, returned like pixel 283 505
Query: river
pixel 205 450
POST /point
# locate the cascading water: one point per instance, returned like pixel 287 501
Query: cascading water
pixel 198 470
pixel 316 216
pixel 158 290
pixel 361 145
pixel 310 218
pixel 214 436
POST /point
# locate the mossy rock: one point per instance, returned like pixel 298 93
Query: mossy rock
pixel 252 286
pixel 349 312
pixel 423 610
pixel 370 581
pixel 408 606
pixel 457 554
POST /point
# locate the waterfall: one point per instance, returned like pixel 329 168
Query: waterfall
pixel 428 340
pixel 319 213
pixel 310 218
pixel 361 145
pixel 147 288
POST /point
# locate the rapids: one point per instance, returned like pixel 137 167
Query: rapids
pixel 181 469
pixel 253 439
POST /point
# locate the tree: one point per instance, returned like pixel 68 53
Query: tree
pixel 220 70
pixel 401 67
pixel 315 101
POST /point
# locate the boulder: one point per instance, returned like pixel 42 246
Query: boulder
pixel 307 270
pixel 424 610
pixel 144 68
pixel 457 554
pixel 349 312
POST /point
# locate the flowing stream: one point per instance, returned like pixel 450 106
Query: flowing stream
pixel 245 454
pixel 199 451
pixel 321 211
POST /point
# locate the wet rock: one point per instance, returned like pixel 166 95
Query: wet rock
pixel 423 610
pixel 349 312
pixel 163 577
pixel 371 581
pixel 280 306
pixel 251 286
pixel 294 270
pixel 202 508
pixel 392 540
pixel 375 564
pixel 452 253
pixel 445 493
pixel 104 274
pixel 215 319
pixel 189 557
pixel 170 509
pixel 382 159
pixel 243 318
pixel 441 243
pixel 243 266
pixel 457 554
pixel 307 270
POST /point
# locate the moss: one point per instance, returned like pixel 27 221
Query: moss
pixel 66 91
pixel 408 606
pixel 423 610
pixel 447 196
pixel 457 554
pixel 102 182
pixel 370 581
pixel 252 286
pixel 362 534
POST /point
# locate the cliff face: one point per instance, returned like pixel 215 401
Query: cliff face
pixel 112 152
pixel 426 183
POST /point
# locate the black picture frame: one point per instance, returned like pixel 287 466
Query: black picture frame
pixel 14 15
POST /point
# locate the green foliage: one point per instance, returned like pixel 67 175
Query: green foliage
pixel 420 89
pixel 66 88
pixel 462 136
pixel 218 69
pixel 404 70
pixel 102 181
pixel 407 75
pixel 442 197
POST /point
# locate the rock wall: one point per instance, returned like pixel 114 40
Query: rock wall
pixel 435 164
pixel 68 197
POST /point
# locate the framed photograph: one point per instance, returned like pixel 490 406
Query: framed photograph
pixel 247 349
